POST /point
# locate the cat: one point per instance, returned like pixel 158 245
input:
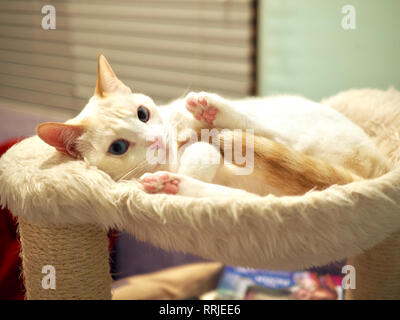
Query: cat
pixel 296 145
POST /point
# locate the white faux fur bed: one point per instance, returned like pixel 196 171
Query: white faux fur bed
pixel 43 186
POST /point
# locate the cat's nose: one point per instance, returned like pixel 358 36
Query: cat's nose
pixel 156 143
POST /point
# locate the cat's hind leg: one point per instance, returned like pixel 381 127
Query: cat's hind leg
pixel 200 160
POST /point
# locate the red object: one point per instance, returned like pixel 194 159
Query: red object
pixel 11 283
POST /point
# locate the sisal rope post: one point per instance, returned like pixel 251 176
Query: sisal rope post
pixel 377 272
pixel 79 255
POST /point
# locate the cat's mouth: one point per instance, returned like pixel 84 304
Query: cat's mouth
pixel 157 144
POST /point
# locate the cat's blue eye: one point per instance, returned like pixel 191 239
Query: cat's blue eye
pixel 143 114
pixel 118 147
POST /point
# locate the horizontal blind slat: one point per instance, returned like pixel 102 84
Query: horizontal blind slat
pixel 125 73
pixel 140 45
pixel 37 97
pixel 202 13
pixel 149 28
pixel 218 68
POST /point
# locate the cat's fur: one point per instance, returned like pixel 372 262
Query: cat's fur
pixel 298 144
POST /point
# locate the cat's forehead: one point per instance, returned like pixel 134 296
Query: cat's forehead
pixel 114 105
pixel 125 101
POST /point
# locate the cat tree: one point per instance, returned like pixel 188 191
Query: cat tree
pixel 65 208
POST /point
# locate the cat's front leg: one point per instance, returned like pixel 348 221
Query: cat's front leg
pixel 160 182
pixel 174 183
pixel 198 166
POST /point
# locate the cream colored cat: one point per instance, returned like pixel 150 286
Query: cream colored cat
pixel 296 144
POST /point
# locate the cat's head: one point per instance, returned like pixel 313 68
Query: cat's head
pixel 113 131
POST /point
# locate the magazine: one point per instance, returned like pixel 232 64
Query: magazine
pixel 251 284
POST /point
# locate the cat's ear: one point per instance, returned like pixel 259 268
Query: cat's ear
pixel 61 136
pixel 107 81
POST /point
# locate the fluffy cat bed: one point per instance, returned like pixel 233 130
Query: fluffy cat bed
pixel 61 202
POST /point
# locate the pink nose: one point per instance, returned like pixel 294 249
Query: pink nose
pixel 157 143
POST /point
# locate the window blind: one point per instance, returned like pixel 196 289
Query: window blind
pixel 163 48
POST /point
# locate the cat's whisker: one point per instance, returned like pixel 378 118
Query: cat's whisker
pixel 136 171
pixel 126 176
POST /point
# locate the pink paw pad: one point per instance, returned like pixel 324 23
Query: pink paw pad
pixel 160 183
pixel 199 106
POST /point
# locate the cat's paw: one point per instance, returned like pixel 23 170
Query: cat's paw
pixel 160 182
pixel 201 106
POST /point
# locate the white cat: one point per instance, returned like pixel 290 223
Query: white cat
pixel 297 144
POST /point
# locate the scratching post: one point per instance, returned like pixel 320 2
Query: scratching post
pixel 377 271
pixel 79 255
pixel 64 205
pixel 376 111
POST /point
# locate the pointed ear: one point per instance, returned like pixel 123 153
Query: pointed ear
pixel 107 81
pixel 61 136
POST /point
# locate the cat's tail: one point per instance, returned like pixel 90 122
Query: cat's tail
pixel 288 171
